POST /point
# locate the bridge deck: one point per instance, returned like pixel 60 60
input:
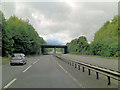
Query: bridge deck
pixel 54 46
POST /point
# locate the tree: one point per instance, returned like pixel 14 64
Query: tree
pixel 79 45
pixel 105 42
pixel 19 36
pixel 7 42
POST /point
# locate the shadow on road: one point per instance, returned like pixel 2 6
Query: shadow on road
pixel 17 65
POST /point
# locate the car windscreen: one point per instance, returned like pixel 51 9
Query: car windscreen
pixel 17 55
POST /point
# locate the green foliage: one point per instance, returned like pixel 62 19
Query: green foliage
pixel 105 42
pixel 19 36
pixel 107 37
pixel 7 42
pixel 79 45
pixel 1 17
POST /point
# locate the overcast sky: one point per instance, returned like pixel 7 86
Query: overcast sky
pixel 60 22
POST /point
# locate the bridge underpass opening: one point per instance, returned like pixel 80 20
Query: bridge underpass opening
pixel 54 47
pixel 54 50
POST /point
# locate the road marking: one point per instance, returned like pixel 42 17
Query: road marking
pixel 70 76
pixel 10 83
pixel 27 68
pixel 35 62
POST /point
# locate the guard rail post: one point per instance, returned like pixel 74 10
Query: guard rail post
pixel 83 69
pixel 97 75
pixel 72 63
pixel 68 62
pixel 88 71
pixel 75 65
pixel 108 80
pixel 78 67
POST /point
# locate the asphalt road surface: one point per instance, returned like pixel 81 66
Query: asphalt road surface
pixel 49 72
pixel 44 72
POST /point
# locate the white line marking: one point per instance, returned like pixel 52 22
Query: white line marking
pixel 27 68
pixel 71 76
pixel 35 62
pixel 10 83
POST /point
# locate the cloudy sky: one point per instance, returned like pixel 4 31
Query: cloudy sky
pixel 60 22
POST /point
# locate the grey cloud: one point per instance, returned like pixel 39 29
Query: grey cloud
pixel 52 10
pixel 86 19
pixel 8 9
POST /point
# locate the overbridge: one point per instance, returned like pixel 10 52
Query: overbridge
pixel 53 46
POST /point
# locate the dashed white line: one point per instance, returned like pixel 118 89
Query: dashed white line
pixel 10 83
pixel 35 62
pixel 27 68
pixel 70 76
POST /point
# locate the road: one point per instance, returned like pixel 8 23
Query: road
pixel 43 73
pixel 49 72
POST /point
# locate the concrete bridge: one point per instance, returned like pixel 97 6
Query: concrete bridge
pixel 54 46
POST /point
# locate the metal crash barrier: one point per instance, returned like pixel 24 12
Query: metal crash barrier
pixel 81 66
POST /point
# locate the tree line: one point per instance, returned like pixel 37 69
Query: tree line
pixel 19 36
pixel 105 41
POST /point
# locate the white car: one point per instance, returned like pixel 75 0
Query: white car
pixel 18 58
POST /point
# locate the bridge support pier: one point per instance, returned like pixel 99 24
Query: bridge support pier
pixel 42 50
pixel 65 50
pixel 55 50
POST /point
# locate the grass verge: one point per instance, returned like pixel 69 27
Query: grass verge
pixel 58 54
pixel 0 60
pixel 5 60
pixel 34 55
pixel 113 58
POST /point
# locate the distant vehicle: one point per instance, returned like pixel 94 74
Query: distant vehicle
pixel 18 58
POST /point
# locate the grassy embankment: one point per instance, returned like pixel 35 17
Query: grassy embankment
pixel 5 60
pixel 58 54
pixel 113 58
pixel 0 60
